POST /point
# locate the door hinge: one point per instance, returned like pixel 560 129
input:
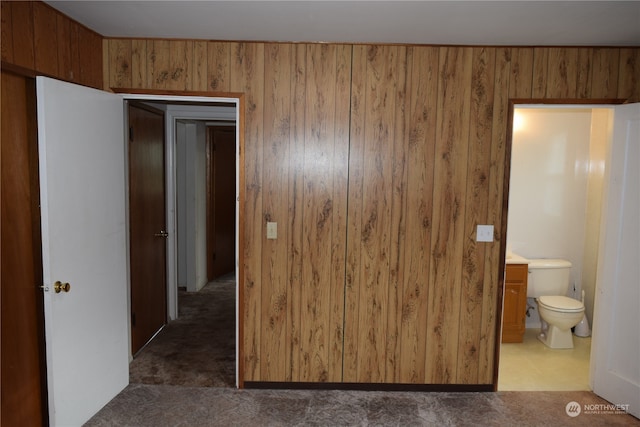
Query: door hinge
pixel 133 319
pixel 130 133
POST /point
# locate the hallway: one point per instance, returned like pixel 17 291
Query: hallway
pixel 199 348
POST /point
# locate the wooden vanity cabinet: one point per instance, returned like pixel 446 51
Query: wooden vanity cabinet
pixel 515 303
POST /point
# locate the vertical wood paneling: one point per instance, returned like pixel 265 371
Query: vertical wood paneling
pixel 562 73
pixel 479 168
pixel 90 53
pixel 296 209
pixel 353 277
pixel 540 72
pixel 338 113
pixel 629 81
pixel 604 83
pixel 275 298
pixel 373 234
pixel 492 260
pixel 45 39
pixel 414 140
pixel 584 73
pixel 180 65
pixel 218 65
pixel 319 217
pixel 74 50
pixel 6 32
pixel 397 225
pixel 65 64
pixel 521 71
pixel 23 34
pixel 247 76
pixel 158 59
pixel 121 57
pixel 138 63
pixel 200 65
pixel 450 174
pixel 421 118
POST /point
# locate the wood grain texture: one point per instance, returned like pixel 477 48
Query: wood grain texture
pixel 493 260
pixel 450 177
pixel 584 73
pixel 378 162
pixel 540 75
pixel 6 32
pixel 275 295
pixel 320 218
pixel 65 62
pixel 354 224
pixel 219 66
pixel 45 39
pixel 562 73
pixel 200 65
pixel 138 63
pixel 121 56
pixel 477 198
pixel 91 58
pixel 422 81
pixel 295 187
pixel 22 314
pixel 246 71
pixel 604 69
pixel 22 21
pixel 521 72
pixel 629 72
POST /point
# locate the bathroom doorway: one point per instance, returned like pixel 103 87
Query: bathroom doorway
pixel 558 157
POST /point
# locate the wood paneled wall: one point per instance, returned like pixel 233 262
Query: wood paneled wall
pixel 377 162
pixel 38 39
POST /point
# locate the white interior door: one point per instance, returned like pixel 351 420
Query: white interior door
pixel 615 354
pixel 82 187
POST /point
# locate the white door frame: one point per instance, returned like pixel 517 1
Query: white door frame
pixel 192 112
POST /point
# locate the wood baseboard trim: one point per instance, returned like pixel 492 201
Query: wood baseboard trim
pixel 276 385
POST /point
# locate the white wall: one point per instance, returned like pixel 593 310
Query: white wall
pixel 550 170
pixel 191 204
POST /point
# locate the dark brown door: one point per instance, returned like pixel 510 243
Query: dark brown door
pixel 23 354
pixel 221 200
pixel 147 216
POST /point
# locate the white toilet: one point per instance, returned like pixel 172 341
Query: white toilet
pixel 548 282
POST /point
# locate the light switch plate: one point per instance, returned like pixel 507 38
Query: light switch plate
pixel 484 233
pixel 272 230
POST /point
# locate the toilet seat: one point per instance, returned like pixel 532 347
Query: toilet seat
pixel 561 304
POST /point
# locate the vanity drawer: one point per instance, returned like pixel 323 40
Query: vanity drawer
pixel 517 272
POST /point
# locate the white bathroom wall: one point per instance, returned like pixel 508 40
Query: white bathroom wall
pixel 548 187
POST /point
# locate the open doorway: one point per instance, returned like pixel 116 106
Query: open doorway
pixel 191 297
pixel 558 162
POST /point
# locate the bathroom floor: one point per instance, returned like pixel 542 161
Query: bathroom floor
pixel 532 366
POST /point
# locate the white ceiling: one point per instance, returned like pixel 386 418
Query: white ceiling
pixel 539 23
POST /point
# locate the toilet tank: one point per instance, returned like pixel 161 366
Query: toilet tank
pixel 548 277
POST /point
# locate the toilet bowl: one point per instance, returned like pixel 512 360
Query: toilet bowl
pixel 560 314
pixel 548 282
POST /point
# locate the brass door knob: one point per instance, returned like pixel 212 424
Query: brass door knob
pixel 59 287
